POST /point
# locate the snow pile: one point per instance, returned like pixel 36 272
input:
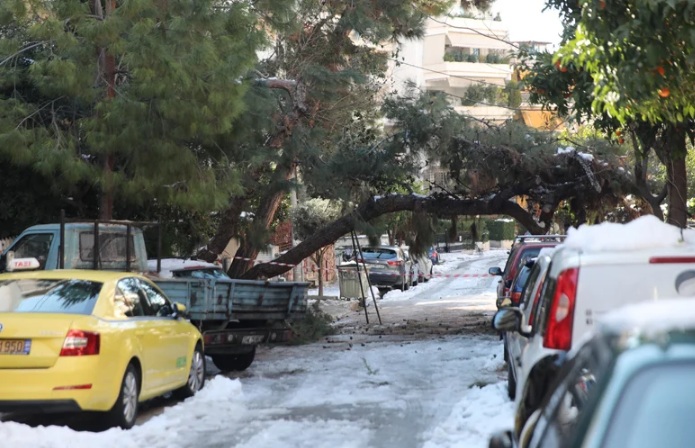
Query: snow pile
pixel 645 232
pixel 571 150
pixel 481 412
pixel 212 409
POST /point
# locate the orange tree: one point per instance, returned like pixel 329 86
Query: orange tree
pixel 628 81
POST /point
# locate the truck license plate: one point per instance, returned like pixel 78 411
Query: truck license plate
pixel 255 339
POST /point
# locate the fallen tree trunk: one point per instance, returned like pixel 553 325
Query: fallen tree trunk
pixel 374 207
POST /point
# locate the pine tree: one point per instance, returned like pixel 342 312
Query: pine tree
pixel 323 83
pixel 129 96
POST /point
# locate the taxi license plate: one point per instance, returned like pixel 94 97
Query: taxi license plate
pixel 15 346
pixel 254 339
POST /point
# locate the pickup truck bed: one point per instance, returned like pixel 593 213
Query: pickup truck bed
pixel 228 300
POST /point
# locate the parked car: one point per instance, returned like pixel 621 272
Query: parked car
pixel 180 268
pixel 518 284
pixel 515 342
pixel 629 385
pixel 423 266
pixel 581 285
pixel 388 267
pixel 433 255
pixel 81 340
pixel 518 256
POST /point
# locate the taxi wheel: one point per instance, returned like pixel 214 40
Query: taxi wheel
pixel 196 376
pixel 125 411
pixel 231 363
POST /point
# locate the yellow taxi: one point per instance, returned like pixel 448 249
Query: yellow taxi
pixel 93 341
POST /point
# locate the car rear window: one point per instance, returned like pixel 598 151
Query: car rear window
pixel 522 278
pixel 211 273
pixel 656 409
pixel 48 296
pixel 520 256
pixel 381 254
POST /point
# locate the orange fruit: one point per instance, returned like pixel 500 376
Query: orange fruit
pixel 660 70
pixel 664 92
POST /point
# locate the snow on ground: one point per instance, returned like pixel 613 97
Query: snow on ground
pixel 430 391
pixel 447 269
pixel 449 263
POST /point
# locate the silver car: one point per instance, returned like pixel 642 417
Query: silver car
pixel 388 267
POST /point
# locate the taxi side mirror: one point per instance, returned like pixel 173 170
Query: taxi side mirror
pixel 180 310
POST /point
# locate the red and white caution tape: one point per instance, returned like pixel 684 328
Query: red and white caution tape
pixel 395 274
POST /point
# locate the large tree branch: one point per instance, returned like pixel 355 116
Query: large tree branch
pixel 374 207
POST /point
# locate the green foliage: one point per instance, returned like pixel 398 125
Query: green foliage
pixel 500 230
pixel 30 198
pixel 481 94
pixel 175 87
pixel 513 94
pixel 635 75
pixel 312 215
pixel 315 324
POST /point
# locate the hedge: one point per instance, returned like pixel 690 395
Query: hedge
pixel 501 230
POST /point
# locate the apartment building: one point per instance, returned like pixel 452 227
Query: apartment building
pixel 467 58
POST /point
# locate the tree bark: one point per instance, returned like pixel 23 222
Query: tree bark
pixel 107 72
pixel 643 138
pixel 672 152
pixel 265 214
pixel 372 208
pixel 226 230
pixel 320 254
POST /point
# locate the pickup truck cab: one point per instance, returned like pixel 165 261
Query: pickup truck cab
pixel 42 242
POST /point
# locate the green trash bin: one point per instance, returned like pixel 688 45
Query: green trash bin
pixel 349 281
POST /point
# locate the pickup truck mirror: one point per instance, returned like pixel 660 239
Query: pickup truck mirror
pixel 495 270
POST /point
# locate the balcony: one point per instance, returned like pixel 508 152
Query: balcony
pixel 462 74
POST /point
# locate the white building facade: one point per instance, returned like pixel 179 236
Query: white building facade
pixel 455 55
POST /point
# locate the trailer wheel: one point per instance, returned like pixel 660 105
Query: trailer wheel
pixel 234 363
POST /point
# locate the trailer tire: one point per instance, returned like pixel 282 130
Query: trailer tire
pixel 234 363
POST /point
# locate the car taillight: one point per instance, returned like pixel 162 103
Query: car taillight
pixel 558 334
pixel 394 262
pixel 81 343
pixel 516 297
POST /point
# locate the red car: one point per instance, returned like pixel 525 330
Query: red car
pixel 525 248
